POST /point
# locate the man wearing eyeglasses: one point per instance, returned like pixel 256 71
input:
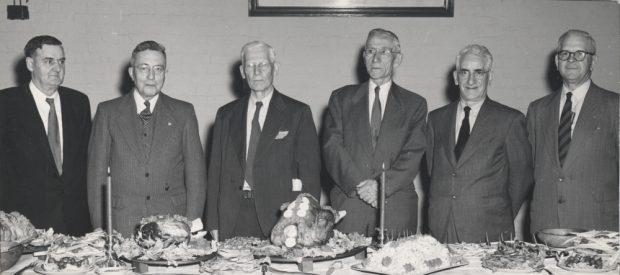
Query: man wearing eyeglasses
pixel 149 141
pixel 371 128
pixel 44 129
pixel 479 159
pixel 265 152
pixel 574 137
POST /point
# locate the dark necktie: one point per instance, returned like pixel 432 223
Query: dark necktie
pixel 463 134
pixel 146 115
pixel 375 118
pixel 254 137
pixel 564 130
pixel 53 135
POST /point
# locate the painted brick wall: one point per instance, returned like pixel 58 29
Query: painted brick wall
pixel 317 54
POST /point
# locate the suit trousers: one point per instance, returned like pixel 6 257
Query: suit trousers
pixel 247 221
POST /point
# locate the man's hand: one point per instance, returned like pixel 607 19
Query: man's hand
pixel 368 191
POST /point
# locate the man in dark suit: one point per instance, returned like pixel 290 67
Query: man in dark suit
pixel 150 143
pixel 574 135
pixel 478 158
pixel 373 127
pixel 265 152
pixel 44 130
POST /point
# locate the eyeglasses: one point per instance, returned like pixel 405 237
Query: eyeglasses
pixel 263 66
pixel 578 55
pixel 380 52
pixel 156 70
pixel 478 74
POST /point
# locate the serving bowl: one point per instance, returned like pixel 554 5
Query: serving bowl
pixel 9 254
pixel 558 237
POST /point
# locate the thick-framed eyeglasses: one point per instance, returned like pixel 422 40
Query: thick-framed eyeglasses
pixel 156 70
pixel 578 55
pixel 381 52
pixel 478 74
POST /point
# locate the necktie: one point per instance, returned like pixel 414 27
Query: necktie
pixel 463 134
pixel 53 135
pixel 146 114
pixel 375 118
pixel 564 130
pixel 254 137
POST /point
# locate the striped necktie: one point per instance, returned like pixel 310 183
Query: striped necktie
pixel 564 130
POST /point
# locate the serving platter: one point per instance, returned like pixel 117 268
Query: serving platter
pixel 360 267
pixel 587 270
pixel 39 269
pixel 171 263
pixel 346 254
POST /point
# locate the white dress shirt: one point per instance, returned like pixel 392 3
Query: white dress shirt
pixel 140 102
pixel 383 94
pixel 460 114
pixel 579 94
pixel 44 109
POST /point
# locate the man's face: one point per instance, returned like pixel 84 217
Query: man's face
pixel 573 71
pixel 258 70
pixel 378 65
pixel 473 78
pixel 47 67
pixel 148 73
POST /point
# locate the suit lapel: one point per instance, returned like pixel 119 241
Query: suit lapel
pixel 164 123
pixel 551 117
pixel 126 111
pixel 69 130
pixel 275 117
pixel 238 126
pixel 32 121
pixel 359 116
pixel 585 126
pixel 448 140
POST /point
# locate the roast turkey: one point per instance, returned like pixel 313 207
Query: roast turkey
pixel 166 229
pixel 305 223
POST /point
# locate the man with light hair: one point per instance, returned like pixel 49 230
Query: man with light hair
pixel 574 137
pixel 265 152
pixel 478 158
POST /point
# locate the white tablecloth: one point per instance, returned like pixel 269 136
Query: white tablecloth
pixel 473 268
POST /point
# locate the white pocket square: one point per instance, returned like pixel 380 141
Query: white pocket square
pixel 281 134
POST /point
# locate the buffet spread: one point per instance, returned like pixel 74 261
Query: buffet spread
pixel 304 232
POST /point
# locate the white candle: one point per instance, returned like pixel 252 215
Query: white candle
pixel 108 202
pixel 382 205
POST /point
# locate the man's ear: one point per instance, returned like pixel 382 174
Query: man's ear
pixel 276 68
pixel 556 62
pixel 242 71
pixel 491 75
pixel 398 60
pixel 130 71
pixel 456 77
pixel 29 62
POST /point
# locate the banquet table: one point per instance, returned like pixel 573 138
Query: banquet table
pixel 473 268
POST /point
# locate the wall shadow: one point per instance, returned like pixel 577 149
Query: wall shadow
pixel 126 83
pixel 360 68
pixel 451 90
pixel 552 76
pixel 238 86
pixel 20 70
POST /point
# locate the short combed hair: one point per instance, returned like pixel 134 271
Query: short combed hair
pixel 37 42
pixel 589 39
pixel 147 45
pixel 379 32
pixel 478 50
pixel 256 44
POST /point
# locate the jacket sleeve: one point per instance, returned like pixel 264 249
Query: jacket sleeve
pixel 406 166
pixel 98 162
pixel 520 171
pixel 195 168
pixel 214 175
pixel 338 161
pixel 307 154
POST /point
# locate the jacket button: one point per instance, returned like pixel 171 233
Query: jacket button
pixel 561 200
pixel 453 196
pixel 454 174
pixel 146 175
pixel 148 197
pixel 560 179
pixel 167 188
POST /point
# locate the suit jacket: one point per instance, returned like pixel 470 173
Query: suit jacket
pixel 29 180
pixel 288 148
pixel 584 192
pixel 169 178
pixel 482 191
pixel 350 158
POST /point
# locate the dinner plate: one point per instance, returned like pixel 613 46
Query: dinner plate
pixel 172 263
pixel 346 254
pixel 360 267
pixel 587 270
pixel 505 270
pixel 39 269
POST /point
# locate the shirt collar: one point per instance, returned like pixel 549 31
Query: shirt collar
pixel 385 87
pixel 579 93
pixel 265 100
pixel 140 102
pixel 40 96
pixel 475 107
